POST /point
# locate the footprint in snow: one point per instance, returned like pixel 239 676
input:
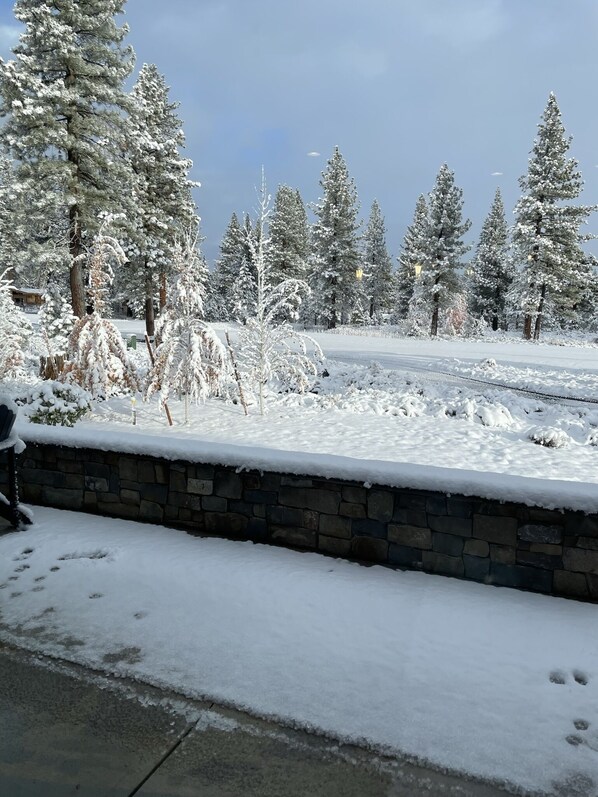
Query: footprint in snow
pixel 15 594
pixel 40 578
pixel 95 595
pixel 582 738
pixel 560 677
pixel 25 554
pixel 13 578
pixel 37 589
pixel 140 615
pixel 21 569
pixel 54 569
pixel 3 586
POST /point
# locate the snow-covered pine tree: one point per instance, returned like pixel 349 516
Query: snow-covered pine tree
pixel 289 236
pixel 8 218
pixel 226 272
pixel 336 254
pixel 444 247
pixel 63 100
pixel 377 266
pixel 411 259
pixel 244 295
pixel 270 351
pixel 56 320
pixel 15 331
pixel 491 268
pixel 190 359
pixel 554 268
pixel 98 358
pixel 164 207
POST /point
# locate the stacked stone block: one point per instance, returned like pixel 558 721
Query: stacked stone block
pixel 507 544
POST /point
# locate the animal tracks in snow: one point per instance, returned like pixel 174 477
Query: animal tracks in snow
pixel 561 677
pixel 583 735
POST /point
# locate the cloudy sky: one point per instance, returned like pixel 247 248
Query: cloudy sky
pixel 400 86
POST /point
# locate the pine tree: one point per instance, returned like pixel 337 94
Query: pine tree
pixel 164 206
pixel 226 272
pixel 491 270
pixel 377 278
pixel 98 358
pixel 444 247
pixel 190 359
pixel 335 241
pixel 56 320
pixel 412 257
pixel 555 274
pixel 289 236
pixel 63 100
pixel 270 351
pixel 15 331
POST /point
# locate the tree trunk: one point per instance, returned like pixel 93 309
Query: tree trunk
pixel 77 282
pixel 527 327
pixel 495 322
pixel 435 313
pixel 163 295
pixel 538 325
pixel 150 325
pixel 76 276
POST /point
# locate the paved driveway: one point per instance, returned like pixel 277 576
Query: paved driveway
pixel 65 731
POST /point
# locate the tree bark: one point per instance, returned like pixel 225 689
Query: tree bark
pixel 76 274
pixel 163 295
pixel 538 324
pixel 150 321
pixel 434 324
pixel 527 327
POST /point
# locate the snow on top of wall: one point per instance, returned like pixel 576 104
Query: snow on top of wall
pixel 546 493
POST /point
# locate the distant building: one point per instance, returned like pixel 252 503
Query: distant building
pixel 29 299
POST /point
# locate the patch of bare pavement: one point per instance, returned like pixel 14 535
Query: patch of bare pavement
pixel 67 731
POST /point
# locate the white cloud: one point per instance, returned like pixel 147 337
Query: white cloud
pixel 496 174
pixel 313 154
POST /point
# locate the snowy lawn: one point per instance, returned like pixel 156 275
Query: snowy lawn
pixel 494 682
pixel 388 413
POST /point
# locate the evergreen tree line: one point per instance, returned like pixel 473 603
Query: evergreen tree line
pixel 523 276
pixel 75 147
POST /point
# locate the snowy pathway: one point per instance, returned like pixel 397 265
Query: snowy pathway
pixel 490 681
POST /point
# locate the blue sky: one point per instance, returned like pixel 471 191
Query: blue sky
pixel 400 87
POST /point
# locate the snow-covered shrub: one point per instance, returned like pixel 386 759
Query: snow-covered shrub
pixel 489 364
pixel 271 353
pixel 98 358
pixel 190 358
pixel 56 403
pixel 549 437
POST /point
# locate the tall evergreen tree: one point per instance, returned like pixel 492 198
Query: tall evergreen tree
pixel 377 265
pixel 164 207
pixel 63 100
pixel 491 269
pixel 289 236
pixel 555 273
pixel 412 257
pixel 444 247
pixel 226 272
pixel 336 244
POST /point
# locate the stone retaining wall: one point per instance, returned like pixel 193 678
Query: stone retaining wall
pixel 505 544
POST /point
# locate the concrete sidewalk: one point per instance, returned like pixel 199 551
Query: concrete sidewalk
pixel 66 731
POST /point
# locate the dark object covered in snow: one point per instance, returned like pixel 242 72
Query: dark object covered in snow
pixel 9 507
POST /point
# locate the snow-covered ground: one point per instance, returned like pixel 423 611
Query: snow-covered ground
pixel 494 682
pixel 388 412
